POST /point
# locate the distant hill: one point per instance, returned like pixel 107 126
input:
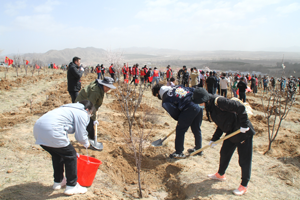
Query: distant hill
pixel 89 55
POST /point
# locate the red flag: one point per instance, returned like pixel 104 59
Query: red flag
pixel 27 62
pixel 6 59
pixel 36 66
pixel 10 61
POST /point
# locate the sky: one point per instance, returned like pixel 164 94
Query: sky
pixel 37 26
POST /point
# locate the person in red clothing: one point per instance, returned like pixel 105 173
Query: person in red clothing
pixel 133 73
pixel 98 70
pixel 143 74
pixel 169 73
pixel 102 71
pixel 124 71
pixel 112 71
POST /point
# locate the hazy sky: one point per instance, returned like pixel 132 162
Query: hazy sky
pixel 40 25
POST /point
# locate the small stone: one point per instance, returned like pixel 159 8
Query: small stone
pixel 167 124
pixel 9 171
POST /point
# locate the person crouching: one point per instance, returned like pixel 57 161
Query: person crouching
pixel 51 133
pixel 229 116
pixel 177 102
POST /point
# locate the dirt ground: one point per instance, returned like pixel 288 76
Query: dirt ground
pixel 26 169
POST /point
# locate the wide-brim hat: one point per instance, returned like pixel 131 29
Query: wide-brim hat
pixel 108 82
pixel 200 95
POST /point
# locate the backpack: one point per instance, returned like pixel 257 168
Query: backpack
pixel 247 106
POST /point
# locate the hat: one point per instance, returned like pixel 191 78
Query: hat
pixel 200 95
pixel 107 81
pixel 168 66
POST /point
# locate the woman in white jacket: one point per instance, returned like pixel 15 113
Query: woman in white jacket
pixel 51 133
pixel 223 85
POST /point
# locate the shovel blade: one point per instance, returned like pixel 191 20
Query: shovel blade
pixel 157 143
pixel 96 145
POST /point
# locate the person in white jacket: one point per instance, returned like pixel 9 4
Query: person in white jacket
pixel 223 85
pixel 51 133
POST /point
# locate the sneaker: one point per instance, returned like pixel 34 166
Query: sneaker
pixel 193 150
pixel 240 191
pixel 217 176
pixel 176 155
pixel 77 189
pixel 58 186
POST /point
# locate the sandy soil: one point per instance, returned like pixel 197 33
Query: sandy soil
pixel 26 170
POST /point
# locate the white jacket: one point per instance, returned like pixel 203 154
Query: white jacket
pixel 223 83
pixel 52 128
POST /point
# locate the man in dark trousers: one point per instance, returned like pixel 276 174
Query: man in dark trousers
pixel 229 116
pixel 210 82
pixel 242 89
pixel 73 75
pixel 112 71
pixel 177 102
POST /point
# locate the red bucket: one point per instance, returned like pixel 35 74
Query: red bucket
pixel 86 170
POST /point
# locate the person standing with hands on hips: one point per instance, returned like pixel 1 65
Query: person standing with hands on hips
pixel 51 133
pixel 73 75
pixel 229 116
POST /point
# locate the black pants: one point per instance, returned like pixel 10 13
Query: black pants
pixel 64 157
pixel 191 117
pixel 73 95
pixel 210 90
pixel 245 157
pixel 113 76
pixel 242 96
pixel 124 76
pixel 90 129
pixel 224 92
pixel 102 75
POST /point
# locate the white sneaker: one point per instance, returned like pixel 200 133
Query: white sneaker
pixel 58 186
pixel 77 189
pixel 240 191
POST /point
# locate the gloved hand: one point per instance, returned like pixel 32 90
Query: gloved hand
pixel 212 145
pixel 86 145
pixel 96 122
pixel 244 130
pixel 81 69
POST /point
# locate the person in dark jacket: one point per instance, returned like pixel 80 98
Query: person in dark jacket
pixel 242 89
pixel 229 116
pixel 210 82
pixel 177 102
pixel 73 75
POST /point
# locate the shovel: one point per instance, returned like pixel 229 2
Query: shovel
pixel 159 142
pixel 94 144
pixel 216 142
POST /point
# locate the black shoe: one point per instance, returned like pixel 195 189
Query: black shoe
pixel 193 150
pixel 176 155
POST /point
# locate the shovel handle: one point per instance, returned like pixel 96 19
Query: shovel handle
pixel 95 138
pixel 168 135
pixel 216 142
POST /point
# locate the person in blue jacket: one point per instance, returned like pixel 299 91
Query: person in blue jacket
pixel 51 133
pixel 177 102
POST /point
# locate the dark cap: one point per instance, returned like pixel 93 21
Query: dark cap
pixel 200 95
pixel 107 81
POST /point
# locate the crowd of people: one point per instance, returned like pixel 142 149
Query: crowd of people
pixel 184 96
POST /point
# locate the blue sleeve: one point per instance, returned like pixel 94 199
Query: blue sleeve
pixel 172 110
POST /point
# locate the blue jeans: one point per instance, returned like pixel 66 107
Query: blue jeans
pixel 234 92
pixel 99 75
pixel 191 117
pixel 155 79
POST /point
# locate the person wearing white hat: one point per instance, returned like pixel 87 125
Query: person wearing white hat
pixel 94 92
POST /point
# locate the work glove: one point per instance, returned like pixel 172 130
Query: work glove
pixel 244 130
pixel 96 122
pixel 86 145
pixel 212 145
pixel 81 69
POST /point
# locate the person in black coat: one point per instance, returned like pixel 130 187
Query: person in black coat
pixel 229 116
pixel 210 82
pixel 73 75
pixel 242 89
